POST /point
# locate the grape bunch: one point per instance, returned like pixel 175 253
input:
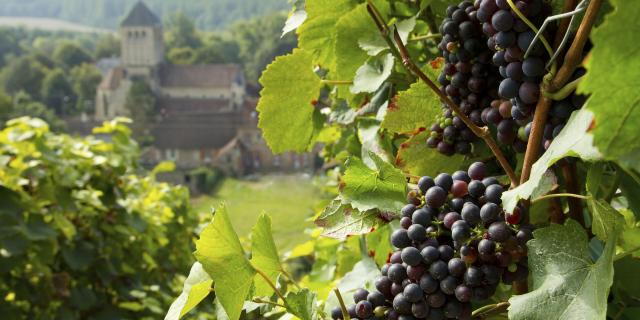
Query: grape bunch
pixel 454 247
pixel 468 78
pixel 510 37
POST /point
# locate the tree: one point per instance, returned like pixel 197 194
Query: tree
pixel 24 74
pixel 108 46
pixel 181 32
pixel 85 78
pixel 182 55
pixel 140 103
pixel 218 48
pixel 69 55
pixel 57 93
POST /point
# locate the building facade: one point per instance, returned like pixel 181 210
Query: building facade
pixel 204 116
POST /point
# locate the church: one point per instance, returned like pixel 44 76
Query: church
pixel 205 118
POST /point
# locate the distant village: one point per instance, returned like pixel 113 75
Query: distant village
pixel 206 118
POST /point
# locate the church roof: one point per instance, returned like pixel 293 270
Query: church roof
pixel 211 131
pixel 113 78
pixel 199 76
pixel 141 16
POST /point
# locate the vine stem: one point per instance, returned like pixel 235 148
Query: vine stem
pixel 343 307
pixel 426 36
pixel 558 195
pixel 488 309
pixel 273 286
pixel 256 300
pixel 483 133
pixel 336 82
pixel 564 91
pixel 571 61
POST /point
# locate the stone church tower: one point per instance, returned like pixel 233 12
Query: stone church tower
pixel 142 46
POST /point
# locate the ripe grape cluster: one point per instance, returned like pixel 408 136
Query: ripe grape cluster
pixel 492 83
pixel 454 247
pixel 468 78
pixel 510 37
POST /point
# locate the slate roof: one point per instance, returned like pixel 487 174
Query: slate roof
pixel 199 76
pixel 190 106
pixel 200 131
pixel 141 16
pixel 113 78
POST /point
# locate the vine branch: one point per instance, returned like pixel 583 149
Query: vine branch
pixel 343 307
pixel 273 286
pixel 483 133
pixel 489 309
pixel 571 61
pixel 559 195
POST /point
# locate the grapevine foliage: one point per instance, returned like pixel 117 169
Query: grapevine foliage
pixel 360 88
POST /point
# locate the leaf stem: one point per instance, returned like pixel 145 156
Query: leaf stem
pixel 558 195
pixel 272 285
pixel 569 172
pixel 257 300
pixel 426 36
pixel 336 82
pixel 382 28
pixel 490 308
pixel 343 307
pixel 626 253
pixel 290 277
pixel 564 91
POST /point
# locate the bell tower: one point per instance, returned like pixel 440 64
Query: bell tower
pixel 142 46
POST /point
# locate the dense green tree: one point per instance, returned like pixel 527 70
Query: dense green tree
pixel 140 103
pixel 57 93
pixel 183 55
pixel 23 74
pixel 9 45
pixel 70 54
pixel 181 32
pixel 84 80
pixel 218 48
pixel 23 105
pixel 107 46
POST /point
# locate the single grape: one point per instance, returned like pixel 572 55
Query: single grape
pixel 401 304
pixel 493 193
pixel 364 309
pixel 444 181
pixel 473 276
pixel 471 212
pixel 417 233
pixel 533 67
pixel 437 299
pixel 439 270
pixel 397 273
pixel 486 246
pixel 489 181
pixel 524 235
pixel 446 252
pixel 459 188
pixel 396 257
pixel 412 292
pixel 489 212
pixel 505 39
pixel 336 313
pixel 436 197
pixel 461 176
pixel 499 231
pixel 477 171
pixel 430 254
pixel 359 295
pixel 415 272
pixel 469 254
pixel 383 285
pixel 425 183
pixel 456 204
pixel 456 267
pixel 405 222
pixel 502 20
pixel 460 235
pixel 428 284
pixel 448 285
pixel 450 218
pixel 420 309
pixel 491 273
pixel 408 210
pixel 529 92
pixel 422 216
pixel 400 239
pixel 508 88
pixel 513 217
pixel 411 256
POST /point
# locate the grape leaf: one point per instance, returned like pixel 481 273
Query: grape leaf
pixel 567 283
pixel 196 287
pixel 382 187
pixel 573 141
pixel 222 257
pixel 379 244
pixel 294 21
pixel 264 255
pixel 373 141
pixel 605 219
pixel 318 33
pixel 363 275
pixel 414 108
pixel 350 28
pixel 414 157
pixel 371 75
pixel 374 43
pixel 285 106
pixel 302 304
pixel 615 98
pixel 341 220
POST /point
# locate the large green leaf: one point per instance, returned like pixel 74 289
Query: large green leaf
pixel 414 157
pixel 318 32
pixel 220 252
pixel 574 140
pixel 605 219
pixel 196 287
pixel 373 141
pixel 302 304
pixel 382 187
pixel 567 283
pixel 341 220
pixel 285 106
pixel 350 28
pixel 415 108
pixel 371 75
pixel 613 82
pixel 264 255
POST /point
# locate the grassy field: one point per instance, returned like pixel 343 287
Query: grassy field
pixel 289 199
